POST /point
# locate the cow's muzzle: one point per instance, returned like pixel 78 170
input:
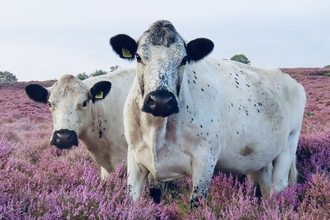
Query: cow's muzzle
pixel 160 103
pixel 64 139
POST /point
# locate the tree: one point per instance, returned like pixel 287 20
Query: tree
pixel 327 66
pixel 7 77
pixel 98 73
pixel 113 68
pixel 241 58
pixel 82 76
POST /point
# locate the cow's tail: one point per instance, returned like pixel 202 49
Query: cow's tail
pixel 293 173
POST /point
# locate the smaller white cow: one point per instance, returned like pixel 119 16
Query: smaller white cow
pixel 86 110
pixel 187 115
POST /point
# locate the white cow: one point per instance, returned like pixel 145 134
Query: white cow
pixel 84 110
pixel 189 116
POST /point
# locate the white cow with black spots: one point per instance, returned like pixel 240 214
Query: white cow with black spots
pixel 86 110
pixel 187 115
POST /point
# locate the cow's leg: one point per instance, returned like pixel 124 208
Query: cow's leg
pixel 264 178
pixel 285 165
pixel 104 173
pixel 137 175
pixel 156 188
pixel 202 172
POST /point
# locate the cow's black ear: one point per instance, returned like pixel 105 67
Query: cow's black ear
pixel 37 93
pixel 124 46
pixel 100 90
pixel 199 48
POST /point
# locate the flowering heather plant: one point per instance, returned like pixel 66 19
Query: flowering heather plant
pixel 38 181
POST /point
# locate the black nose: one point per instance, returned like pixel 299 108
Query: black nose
pixel 64 139
pixel 160 103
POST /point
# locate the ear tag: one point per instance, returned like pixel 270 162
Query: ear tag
pixel 99 96
pixel 126 53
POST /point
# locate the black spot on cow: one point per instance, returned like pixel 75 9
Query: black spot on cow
pixel 259 103
pixel 247 85
pixel 195 77
pixel 187 107
pixel 231 104
pixel 194 81
pixel 201 126
pixel 100 134
pixel 202 89
pixel 208 85
pixel 237 83
pixel 188 81
pixel 211 120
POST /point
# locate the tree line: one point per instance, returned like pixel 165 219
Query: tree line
pixel 6 76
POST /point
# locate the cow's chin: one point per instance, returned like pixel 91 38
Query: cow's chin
pixel 161 113
pixel 63 146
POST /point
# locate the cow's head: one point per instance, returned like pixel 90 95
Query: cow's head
pixel 70 101
pixel 161 54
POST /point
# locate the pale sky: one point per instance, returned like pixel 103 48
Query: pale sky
pixel 42 40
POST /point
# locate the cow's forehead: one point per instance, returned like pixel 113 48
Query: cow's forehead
pixel 68 86
pixel 160 53
pixel 161 33
pixel 163 39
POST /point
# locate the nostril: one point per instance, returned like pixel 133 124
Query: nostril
pixel 160 103
pixel 62 136
pixel 154 100
pixel 64 139
pixel 151 100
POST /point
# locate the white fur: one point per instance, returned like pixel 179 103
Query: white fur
pixel 103 115
pixel 233 117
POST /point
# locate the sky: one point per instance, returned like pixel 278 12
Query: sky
pixel 43 40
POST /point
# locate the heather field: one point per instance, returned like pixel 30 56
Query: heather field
pixel 38 181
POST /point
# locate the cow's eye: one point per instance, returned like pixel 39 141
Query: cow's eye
pixel 138 58
pixel 84 104
pixel 184 61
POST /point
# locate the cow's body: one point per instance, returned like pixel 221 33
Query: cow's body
pixel 189 120
pixel 79 111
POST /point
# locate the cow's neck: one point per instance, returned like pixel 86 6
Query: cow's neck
pixel 96 131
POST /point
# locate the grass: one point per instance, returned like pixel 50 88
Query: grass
pixel 38 181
